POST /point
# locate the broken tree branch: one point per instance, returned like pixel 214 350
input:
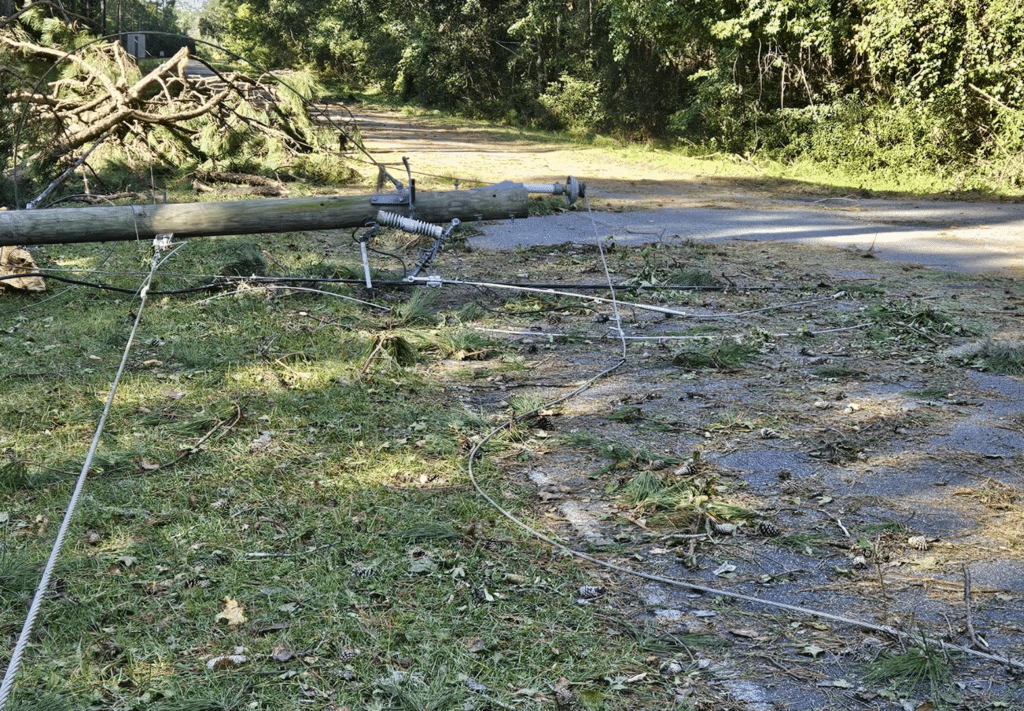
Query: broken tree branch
pixel 32 204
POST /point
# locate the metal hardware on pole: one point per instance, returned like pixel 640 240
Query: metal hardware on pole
pixel 440 235
pixel 572 189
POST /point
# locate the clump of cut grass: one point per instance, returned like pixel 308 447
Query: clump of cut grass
pixel 683 501
pixel 629 413
pixel 932 392
pixel 838 371
pixel 392 346
pixel 912 323
pixel 14 476
pixel 471 311
pixel 542 206
pixel 999 357
pixel 647 488
pixel 623 457
pixel 522 404
pixel 693 277
pixel 727 354
pixel 461 344
pixel 804 542
pixel 418 309
pixel 920 669
pixel 859 289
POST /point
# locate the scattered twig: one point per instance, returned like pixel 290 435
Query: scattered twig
pixel 976 641
pixel 264 556
pixel 378 349
pixel 195 447
pixel 988 97
pixel 839 522
pixel 675 536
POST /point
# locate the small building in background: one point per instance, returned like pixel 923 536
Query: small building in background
pixel 135 44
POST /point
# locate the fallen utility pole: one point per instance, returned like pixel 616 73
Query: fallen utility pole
pixel 240 217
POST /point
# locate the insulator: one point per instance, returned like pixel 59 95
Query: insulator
pixel 390 219
pixel 573 189
pixel 546 188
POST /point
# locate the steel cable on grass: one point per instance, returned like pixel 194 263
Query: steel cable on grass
pixel 44 582
pixel 275 287
pixel 614 301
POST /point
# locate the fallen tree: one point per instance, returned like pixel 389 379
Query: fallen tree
pixel 65 92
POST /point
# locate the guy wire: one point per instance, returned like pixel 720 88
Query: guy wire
pixel 44 582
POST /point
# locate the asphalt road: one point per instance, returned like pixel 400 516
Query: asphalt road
pixel 955 236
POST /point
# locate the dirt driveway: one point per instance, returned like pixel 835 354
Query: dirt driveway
pixel 791 429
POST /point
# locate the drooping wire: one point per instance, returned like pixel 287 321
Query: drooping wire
pixel 608 277
pixel 44 582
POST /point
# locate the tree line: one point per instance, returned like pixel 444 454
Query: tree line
pixel 876 85
pixel 882 84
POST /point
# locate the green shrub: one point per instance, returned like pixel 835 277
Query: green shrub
pixel 574 104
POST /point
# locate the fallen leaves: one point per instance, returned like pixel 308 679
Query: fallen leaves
pixel 232 614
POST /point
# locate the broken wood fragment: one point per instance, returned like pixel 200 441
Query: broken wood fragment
pixel 14 261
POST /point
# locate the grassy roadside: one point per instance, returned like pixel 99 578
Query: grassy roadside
pixel 621 164
pixel 278 515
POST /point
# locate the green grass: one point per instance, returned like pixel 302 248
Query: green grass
pixel 257 452
pixel 720 354
pixel 918 670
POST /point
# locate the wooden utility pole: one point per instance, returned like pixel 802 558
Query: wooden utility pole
pixel 242 217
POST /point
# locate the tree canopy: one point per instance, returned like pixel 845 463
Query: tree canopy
pixel 833 80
